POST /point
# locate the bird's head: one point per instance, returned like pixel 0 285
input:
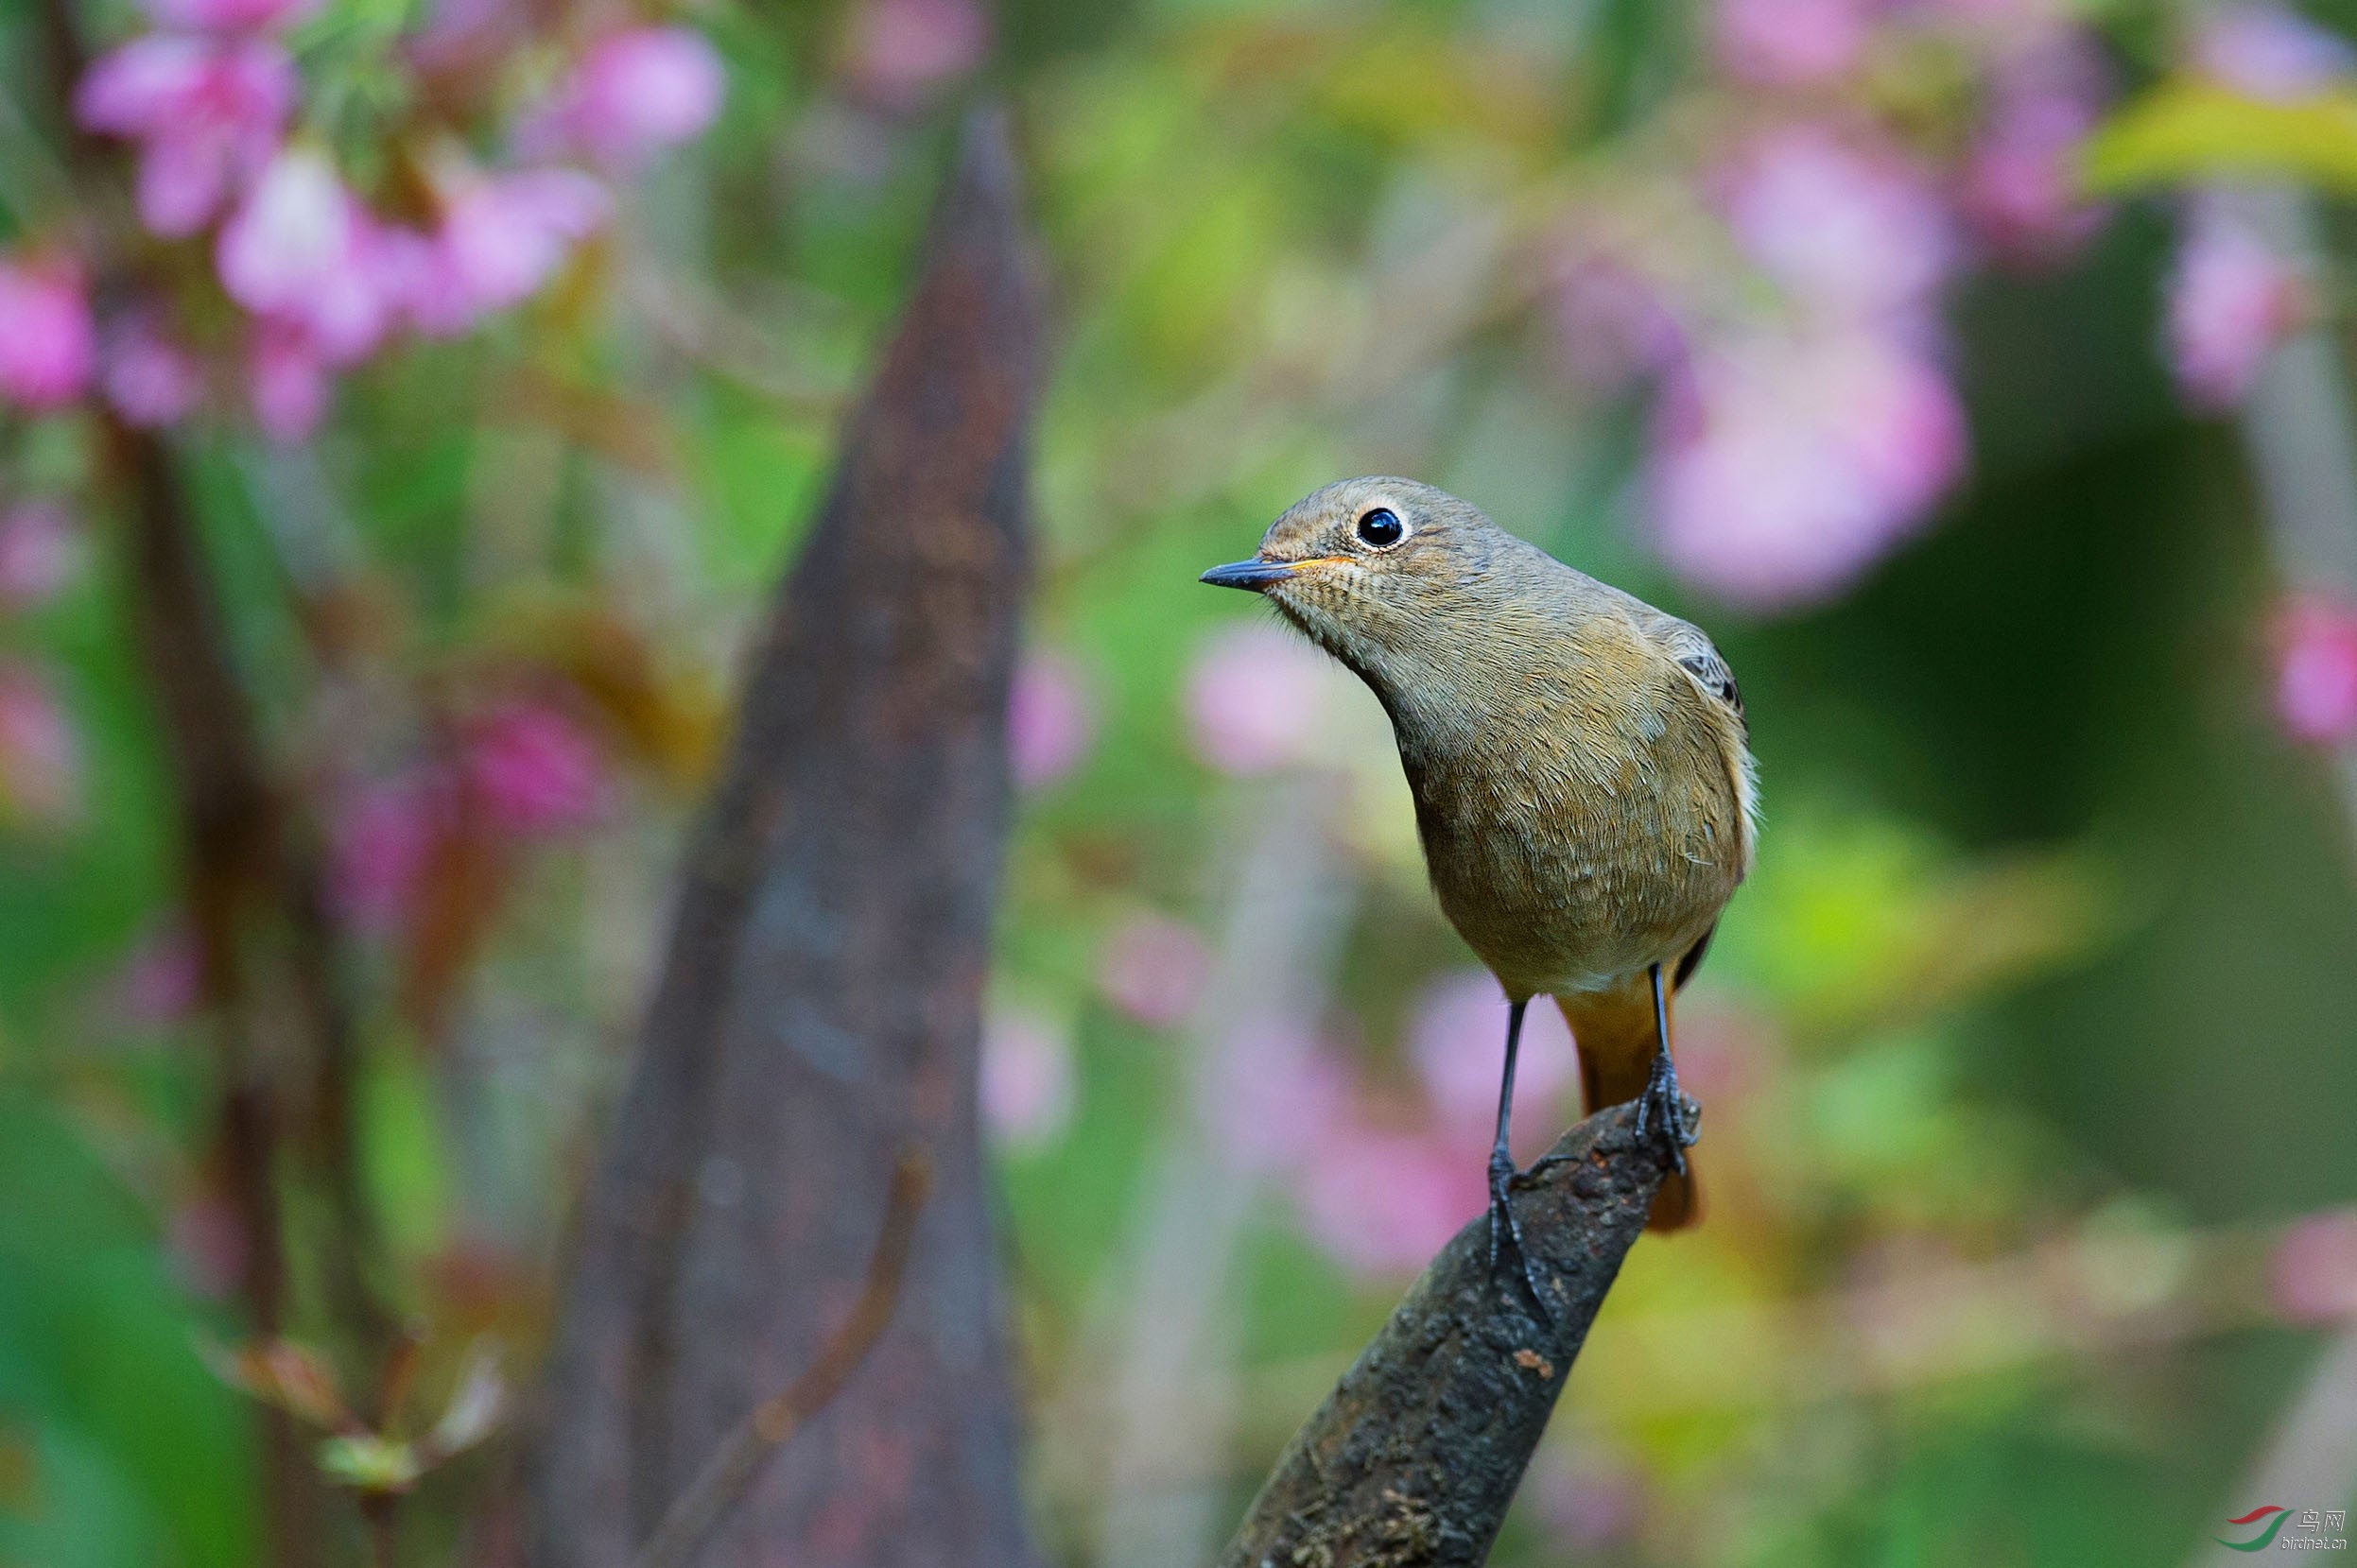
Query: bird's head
pixel 1372 569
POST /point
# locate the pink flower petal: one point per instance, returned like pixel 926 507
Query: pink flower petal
pixel 1279 1091
pixel 229 15
pixel 1791 42
pixel 2313 1277
pixel 900 51
pixel 2316 684
pixel 503 236
pixel 294 249
pixel 1784 467
pixel 382 840
pixel 1153 968
pixel 1457 1038
pixel 2270 52
pixel 533 770
pixel 1854 230
pixel 151 380
pixel 2232 298
pixel 208 112
pixel 1382 1202
pixel 1612 325
pixel 2021 178
pixel 1050 723
pixel 40 552
pixel 635 93
pixel 48 350
pixel 158 982
pixel 289 383
pixel 1255 696
pixel 1026 1086
pixel 142 87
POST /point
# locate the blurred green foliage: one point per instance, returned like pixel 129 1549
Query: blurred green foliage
pixel 2053 938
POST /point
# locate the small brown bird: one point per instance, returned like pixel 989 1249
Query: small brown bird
pixel 1578 759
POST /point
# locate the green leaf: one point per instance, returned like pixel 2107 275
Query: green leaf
pixel 2184 131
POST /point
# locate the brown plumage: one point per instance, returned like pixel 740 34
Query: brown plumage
pixel 1577 757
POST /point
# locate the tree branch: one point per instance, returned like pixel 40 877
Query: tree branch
pixel 1415 1456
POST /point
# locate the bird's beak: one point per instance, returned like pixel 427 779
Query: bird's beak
pixel 1255 574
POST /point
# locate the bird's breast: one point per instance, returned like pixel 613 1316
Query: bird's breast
pixel 1573 849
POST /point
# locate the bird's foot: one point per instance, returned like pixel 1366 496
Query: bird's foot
pixel 1664 1106
pixel 1526 1180
pixel 1505 1231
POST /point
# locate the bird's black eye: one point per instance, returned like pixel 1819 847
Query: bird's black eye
pixel 1381 528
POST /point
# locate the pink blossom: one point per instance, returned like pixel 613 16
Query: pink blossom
pixel 1612 326
pixel 1783 468
pixel 1255 696
pixel 1026 1078
pixel 1729 1054
pixel 160 980
pixel 1381 1201
pixel 1153 968
pixel 533 769
pixel 1851 230
pixel 151 380
pixel 900 51
pixel 382 840
pixel 2271 52
pixel 500 238
pixel 2313 1276
pixel 41 765
pixel 1791 42
pixel 287 380
pixel 1278 1090
pixel 40 551
pixel 1050 723
pixel 227 16
pixel 301 251
pixel 634 94
pixel 207 112
pixel 2021 176
pixel 1457 1038
pixel 1593 1499
pixel 2316 671
pixel 2232 298
pixel 46 350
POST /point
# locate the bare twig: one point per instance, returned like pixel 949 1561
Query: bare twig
pixel 1413 1457
pixel 774 1421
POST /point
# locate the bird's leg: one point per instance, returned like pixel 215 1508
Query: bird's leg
pixel 1502 1223
pixel 1663 1101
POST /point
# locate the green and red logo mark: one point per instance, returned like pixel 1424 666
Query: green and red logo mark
pixel 2273 1516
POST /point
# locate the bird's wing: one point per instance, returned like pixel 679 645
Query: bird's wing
pixel 1700 657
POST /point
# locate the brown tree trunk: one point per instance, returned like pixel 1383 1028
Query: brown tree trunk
pixel 819 1005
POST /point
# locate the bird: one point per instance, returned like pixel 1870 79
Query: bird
pixel 1581 767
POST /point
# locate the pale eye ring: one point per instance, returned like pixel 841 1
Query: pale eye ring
pixel 1380 528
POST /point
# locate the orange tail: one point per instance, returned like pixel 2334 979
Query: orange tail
pixel 1614 1031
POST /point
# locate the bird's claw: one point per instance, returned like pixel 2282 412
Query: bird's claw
pixel 1525 1181
pixel 1665 1105
pixel 1505 1230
